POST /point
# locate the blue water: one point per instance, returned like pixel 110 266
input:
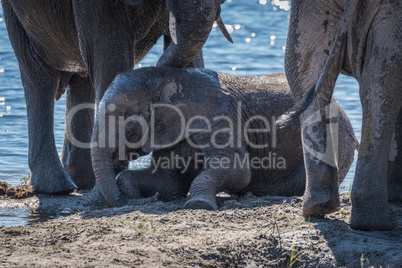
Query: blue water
pixel 258 28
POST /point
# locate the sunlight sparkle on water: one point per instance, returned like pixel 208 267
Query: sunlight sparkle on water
pixel 273 37
pixel 1 70
pixel 248 40
pixel 2 99
pixel 285 5
pixel 229 27
pixel 263 2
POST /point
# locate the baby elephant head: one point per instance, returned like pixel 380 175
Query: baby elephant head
pixel 150 109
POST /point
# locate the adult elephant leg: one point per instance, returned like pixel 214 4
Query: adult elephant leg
pixel 370 207
pixel 329 145
pixel 40 83
pixel 321 195
pixel 381 98
pixel 76 154
pixel 107 47
pixel 106 40
pixel 48 174
pixel 395 163
pixel 312 29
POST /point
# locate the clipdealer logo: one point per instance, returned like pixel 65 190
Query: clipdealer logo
pixel 200 161
pixel 112 131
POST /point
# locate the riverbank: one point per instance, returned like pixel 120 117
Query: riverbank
pixel 246 231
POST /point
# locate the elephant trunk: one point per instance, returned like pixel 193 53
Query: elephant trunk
pixel 189 33
pixel 103 166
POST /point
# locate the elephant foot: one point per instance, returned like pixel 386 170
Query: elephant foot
pixel 395 190
pixel 96 198
pixel 200 203
pixel 52 180
pixel 322 189
pixel 321 203
pixel 373 217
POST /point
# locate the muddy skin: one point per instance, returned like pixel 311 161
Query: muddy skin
pixel 361 39
pixel 200 92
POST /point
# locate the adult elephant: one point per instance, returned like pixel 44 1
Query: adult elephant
pixel 362 39
pixel 82 45
pixel 209 132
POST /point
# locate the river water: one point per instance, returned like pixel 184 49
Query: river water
pixel 258 28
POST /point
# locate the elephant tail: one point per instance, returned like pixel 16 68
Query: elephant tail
pixel 322 91
pixel 297 109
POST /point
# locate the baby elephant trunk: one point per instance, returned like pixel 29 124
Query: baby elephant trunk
pixel 103 166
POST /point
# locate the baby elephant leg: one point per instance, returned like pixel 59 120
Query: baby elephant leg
pixel 136 184
pixel 225 177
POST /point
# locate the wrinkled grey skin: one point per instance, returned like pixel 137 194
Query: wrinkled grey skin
pixel 82 45
pixel 199 92
pixel 362 39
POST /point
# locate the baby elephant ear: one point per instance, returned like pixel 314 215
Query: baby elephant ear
pixel 132 2
pixel 183 109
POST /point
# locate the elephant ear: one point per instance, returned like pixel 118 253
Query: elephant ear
pixel 132 2
pixel 182 109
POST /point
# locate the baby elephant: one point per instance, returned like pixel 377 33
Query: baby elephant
pixel 209 133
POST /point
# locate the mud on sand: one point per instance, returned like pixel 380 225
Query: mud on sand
pixel 22 191
pixel 246 232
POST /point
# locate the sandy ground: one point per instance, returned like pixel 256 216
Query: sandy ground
pixel 245 232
